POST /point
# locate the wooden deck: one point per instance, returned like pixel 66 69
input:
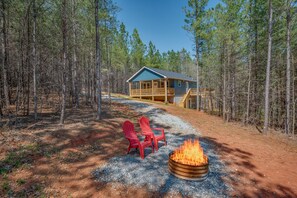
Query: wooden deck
pixel 151 92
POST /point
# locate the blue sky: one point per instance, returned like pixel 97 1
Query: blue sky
pixel 159 21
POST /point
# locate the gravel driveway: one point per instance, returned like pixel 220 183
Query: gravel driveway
pixel 152 172
pixel 159 117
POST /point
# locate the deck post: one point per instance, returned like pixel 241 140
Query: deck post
pixel 165 84
pixel 153 98
pixel 130 93
pixel 140 89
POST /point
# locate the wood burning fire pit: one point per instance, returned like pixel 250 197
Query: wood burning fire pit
pixel 188 162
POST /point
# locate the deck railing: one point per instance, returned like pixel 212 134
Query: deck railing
pixel 151 92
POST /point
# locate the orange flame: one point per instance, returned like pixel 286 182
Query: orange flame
pixel 190 153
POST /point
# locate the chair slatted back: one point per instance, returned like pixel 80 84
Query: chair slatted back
pixel 144 123
pixel 129 131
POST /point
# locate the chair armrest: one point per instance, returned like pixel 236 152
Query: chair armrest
pixel 148 136
pixel 146 133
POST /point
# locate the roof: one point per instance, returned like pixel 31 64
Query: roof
pixel 165 74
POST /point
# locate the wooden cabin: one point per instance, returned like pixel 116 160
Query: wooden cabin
pixel 167 86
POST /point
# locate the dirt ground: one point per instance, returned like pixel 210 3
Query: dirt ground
pixel 44 159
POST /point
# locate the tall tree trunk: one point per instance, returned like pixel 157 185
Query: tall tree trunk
pixel 267 84
pixel 293 98
pixel 108 75
pixel 256 91
pixel 196 36
pixel 197 72
pixel 92 77
pixel 34 60
pixel 21 77
pixel 4 57
pixel 74 68
pixel 98 66
pixel 224 87
pixel 108 58
pixel 28 59
pixel 64 51
pixel 288 85
pixel 228 91
pixel 1 111
pixel 1 99
pixel 19 74
pixel 88 80
pixel 249 90
pixel 233 99
pixel 247 114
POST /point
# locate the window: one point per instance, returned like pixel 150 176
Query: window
pixel 135 85
pixel 179 83
pixel 146 85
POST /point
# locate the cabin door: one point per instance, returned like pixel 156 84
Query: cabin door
pixel 155 85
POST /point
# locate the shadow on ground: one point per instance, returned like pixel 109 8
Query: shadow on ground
pixel 41 157
pixel 237 177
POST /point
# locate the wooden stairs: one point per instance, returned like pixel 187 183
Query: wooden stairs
pixel 184 101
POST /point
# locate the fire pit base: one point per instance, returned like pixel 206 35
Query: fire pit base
pixel 187 172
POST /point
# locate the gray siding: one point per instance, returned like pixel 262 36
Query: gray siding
pixel 179 91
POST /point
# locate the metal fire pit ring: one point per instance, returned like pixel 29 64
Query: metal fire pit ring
pixel 187 172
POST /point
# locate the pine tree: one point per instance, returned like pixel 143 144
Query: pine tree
pixel 98 61
pixel 195 14
pixel 267 85
pixel 138 49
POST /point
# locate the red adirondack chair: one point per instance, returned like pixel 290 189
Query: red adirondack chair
pixel 131 136
pixel 146 129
